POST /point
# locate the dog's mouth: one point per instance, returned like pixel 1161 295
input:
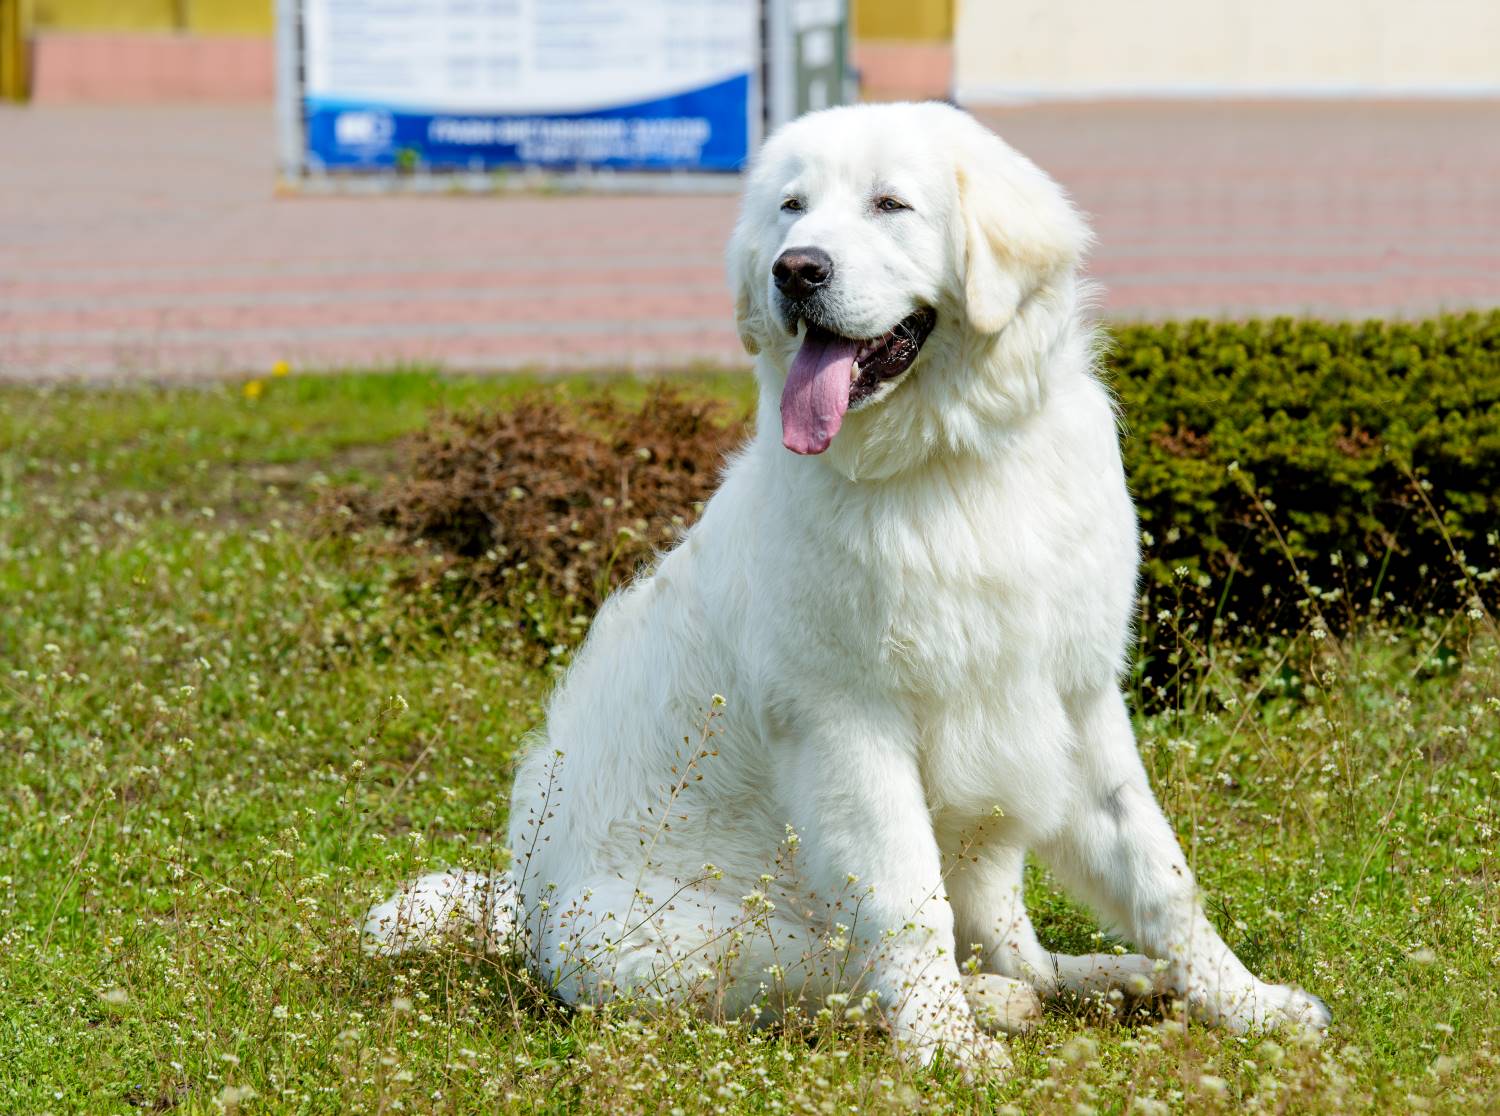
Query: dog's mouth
pixel 832 374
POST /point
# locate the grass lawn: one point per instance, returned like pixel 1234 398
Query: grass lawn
pixel 222 733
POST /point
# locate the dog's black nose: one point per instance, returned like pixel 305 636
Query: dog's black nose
pixel 801 271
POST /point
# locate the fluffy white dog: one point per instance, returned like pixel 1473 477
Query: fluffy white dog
pixel 914 593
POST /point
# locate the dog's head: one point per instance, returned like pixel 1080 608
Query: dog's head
pixel 881 246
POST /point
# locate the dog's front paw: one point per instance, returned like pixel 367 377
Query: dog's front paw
pixel 1296 1010
pixel 1001 1004
pixel 977 1056
pixel 950 1033
pixel 1271 1007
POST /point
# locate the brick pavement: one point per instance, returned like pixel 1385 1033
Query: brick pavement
pixel 146 242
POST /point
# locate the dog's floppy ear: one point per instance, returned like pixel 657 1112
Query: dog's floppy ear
pixel 1020 230
pixel 746 275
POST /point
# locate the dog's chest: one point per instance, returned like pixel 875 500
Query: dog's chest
pixel 1000 593
pixel 983 670
pixel 937 640
pixel 1013 606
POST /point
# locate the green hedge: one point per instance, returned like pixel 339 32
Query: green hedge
pixel 1283 460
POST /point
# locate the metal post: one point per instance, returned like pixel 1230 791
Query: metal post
pixel 781 70
pixel 289 138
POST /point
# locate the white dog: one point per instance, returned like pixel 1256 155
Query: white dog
pixel 914 592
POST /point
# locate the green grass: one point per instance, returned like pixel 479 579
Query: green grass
pixel 222 734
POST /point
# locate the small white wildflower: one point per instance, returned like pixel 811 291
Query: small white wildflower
pixel 1270 1053
pixel 1080 1048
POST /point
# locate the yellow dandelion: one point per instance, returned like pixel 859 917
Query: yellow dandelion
pixel 280 368
pixel 254 389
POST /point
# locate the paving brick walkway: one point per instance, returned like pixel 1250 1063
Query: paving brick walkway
pixel 147 241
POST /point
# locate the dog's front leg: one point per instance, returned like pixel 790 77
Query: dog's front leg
pixel 1120 852
pixel 867 839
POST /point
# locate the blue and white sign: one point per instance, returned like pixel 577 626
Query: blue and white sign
pixel 643 85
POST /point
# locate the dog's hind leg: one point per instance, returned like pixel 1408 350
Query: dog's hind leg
pixel 666 943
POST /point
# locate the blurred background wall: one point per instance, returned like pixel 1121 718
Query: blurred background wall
pixel 991 51
pixel 981 51
pixel 1022 49
pixel 135 50
pixel 123 50
pixel 903 49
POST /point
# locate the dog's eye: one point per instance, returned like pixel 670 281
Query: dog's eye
pixel 792 205
pixel 888 204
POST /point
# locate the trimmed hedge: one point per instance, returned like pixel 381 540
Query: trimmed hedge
pixel 1284 460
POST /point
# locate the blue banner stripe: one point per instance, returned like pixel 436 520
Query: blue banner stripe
pixel 699 129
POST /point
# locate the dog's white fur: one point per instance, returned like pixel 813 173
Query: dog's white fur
pixel 918 637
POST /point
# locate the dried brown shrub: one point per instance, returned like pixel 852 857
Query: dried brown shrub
pixel 566 498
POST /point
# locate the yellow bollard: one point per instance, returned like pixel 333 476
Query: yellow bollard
pixel 15 32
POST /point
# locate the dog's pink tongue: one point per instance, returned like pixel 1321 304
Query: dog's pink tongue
pixel 817 391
